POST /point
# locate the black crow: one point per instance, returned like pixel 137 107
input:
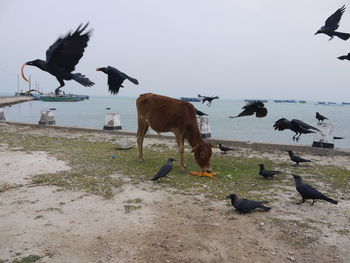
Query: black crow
pixel 224 148
pixel 200 113
pixel 164 170
pixel 266 173
pixel 252 107
pixel 208 99
pixel 296 126
pixel 337 138
pixel 62 57
pixel 308 192
pixel 116 79
pixel 320 117
pixel 297 159
pixel 332 24
pixel 245 205
pixel 345 57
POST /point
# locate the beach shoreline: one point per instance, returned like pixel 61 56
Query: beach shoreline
pixel 120 216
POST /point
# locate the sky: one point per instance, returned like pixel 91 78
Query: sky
pixel 256 49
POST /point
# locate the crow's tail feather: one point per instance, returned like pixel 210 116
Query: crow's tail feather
pixel 344 36
pixel 265 208
pixel 135 81
pixel 82 80
pixel 342 57
pixel 330 200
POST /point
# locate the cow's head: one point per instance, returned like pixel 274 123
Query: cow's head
pixel 202 154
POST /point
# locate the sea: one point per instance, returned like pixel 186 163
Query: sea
pixel 91 114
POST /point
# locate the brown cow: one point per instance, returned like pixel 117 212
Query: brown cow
pixel 164 114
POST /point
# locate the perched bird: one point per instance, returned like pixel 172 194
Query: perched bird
pixel 332 24
pixel 200 113
pixel 116 79
pixel 252 107
pixel 224 148
pixel 208 99
pixel 62 57
pixel 345 57
pixel 296 126
pixel 297 159
pixel 164 170
pixel 308 192
pixel 245 205
pixel 266 173
pixel 320 117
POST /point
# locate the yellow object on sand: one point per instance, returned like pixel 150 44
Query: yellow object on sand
pixel 211 175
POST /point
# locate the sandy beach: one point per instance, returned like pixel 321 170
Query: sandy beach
pixel 141 221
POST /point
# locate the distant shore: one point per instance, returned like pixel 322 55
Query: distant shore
pixel 8 101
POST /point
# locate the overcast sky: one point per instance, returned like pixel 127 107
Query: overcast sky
pixel 233 49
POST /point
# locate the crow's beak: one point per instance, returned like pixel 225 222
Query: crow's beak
pixel 24 77
pixel 99 69
pixel 316 33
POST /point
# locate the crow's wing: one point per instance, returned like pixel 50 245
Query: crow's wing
pixel 67 51
pixel 163 171
pixel 282 124
pixel 246 205
pixel 308 192
pixel 296 158
pixel 303 125
pixel 332 22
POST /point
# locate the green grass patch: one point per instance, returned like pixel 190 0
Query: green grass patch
pixel 29 259
pixel 92 166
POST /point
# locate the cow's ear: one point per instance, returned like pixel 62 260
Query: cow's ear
pixel 194 148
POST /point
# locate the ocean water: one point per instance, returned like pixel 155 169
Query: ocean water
pixel 91 113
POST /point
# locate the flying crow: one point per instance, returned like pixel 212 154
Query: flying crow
pixel 62 57
pixel 345 57
pixel 320 117
pixel 266 173
pixel 207 99
pixel 332 24
pixel 296 126
pixel 224 148
pixel 297 159
pixel 116 79
pixel 308 192
pixel 164 170
pixel 252 107
pixel 245 205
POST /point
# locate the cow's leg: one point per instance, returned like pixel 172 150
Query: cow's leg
pixel 181 144
pixel 141 131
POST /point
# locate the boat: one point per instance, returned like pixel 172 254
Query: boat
pixel 252 100
pixel 321 102
pixel 63 97
pixel 278 101
pixel 302 101
pixel 191 99
pixel 345 103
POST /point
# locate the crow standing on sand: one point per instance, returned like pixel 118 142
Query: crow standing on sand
pixel 296 126
pixel 245 205
pixel 266 173
pixel 297 159
pixel 320 117
pixel 207 99
pixel 116 79
pixel 252 107
pixel 224 149
pixel 332 24
pixel 62 57
pixel 164 170
pixel 308 192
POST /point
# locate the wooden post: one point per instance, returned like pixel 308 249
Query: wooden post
pixel 203 125
pixel 112 121
pixel 325 138
pixel 2 114
pixel 47 118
